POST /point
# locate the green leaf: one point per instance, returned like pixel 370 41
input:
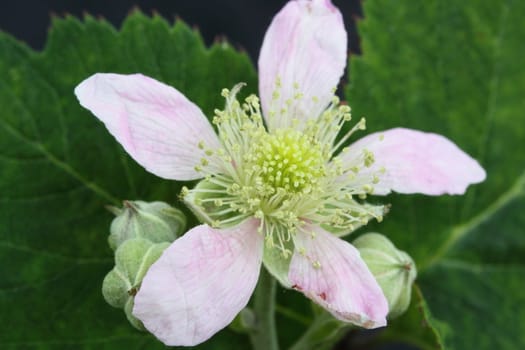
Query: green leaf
pixel 455 68
pixel 416 327
pixel 60 167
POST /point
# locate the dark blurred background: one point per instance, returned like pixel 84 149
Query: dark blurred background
pixel 242 22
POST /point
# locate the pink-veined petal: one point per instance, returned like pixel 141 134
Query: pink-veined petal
pixel 200 283
pixel 157 125
pixel 411 161
pixel 330 271
pixel 305 47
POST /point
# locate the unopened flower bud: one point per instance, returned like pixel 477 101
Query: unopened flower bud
pixel 393 269
pixel 132 260
pixel 155 221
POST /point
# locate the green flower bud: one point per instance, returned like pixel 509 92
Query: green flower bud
pixel 132 260
pixel 393 269
pixel 156 221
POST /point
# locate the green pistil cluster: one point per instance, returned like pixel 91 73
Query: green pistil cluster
pixel 284 177
pixel 288 160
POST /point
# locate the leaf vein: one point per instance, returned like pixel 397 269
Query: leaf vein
pixel 459 231
pixel 60 164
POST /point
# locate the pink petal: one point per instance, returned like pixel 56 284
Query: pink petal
pixel 157 125
pixel 330 271
pixel 305 45
pixel 200 283
pixel 416 162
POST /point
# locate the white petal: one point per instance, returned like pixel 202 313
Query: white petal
pixel 415 162
pixel 330 271
pixel 200 283
pixel 157 125
pixel 305 46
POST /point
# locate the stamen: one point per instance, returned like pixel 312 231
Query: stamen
pixel 361 125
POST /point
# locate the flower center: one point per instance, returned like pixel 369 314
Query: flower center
pixel 287 159
pixel 284 176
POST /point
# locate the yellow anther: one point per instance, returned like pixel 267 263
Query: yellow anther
pixel 184 192
pixel 368 188
pixel 362 124
pixel 369 158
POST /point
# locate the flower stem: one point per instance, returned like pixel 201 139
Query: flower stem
pixel 264 334
pixel 324 332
